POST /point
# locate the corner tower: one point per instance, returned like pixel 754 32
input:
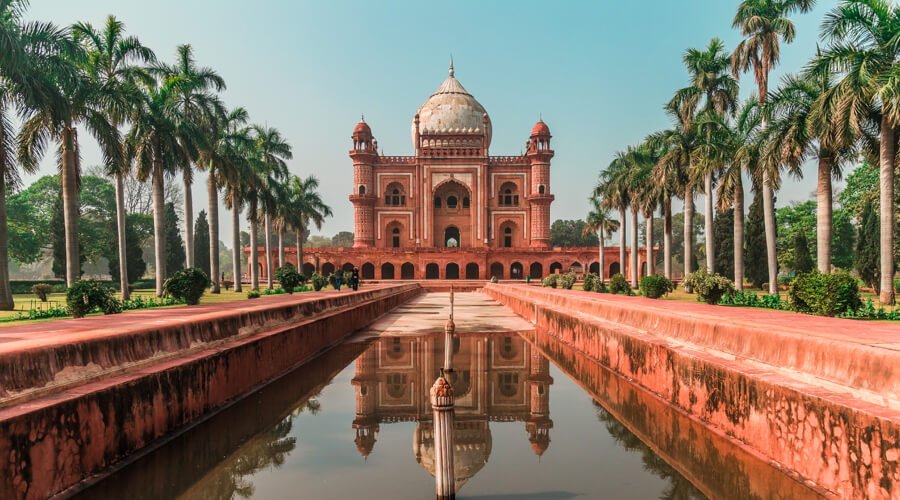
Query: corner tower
pixel 539 155
pixel 364 155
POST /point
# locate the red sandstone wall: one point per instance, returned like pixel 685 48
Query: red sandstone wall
pixel 52 443
pixel 843 444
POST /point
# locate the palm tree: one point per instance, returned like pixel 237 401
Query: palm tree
pixel 310 207
pixel 29 51
pixel 192 97
pixel 153 144
pixel 863 53
pixel 613 189
pixel 237 152
pixel 599 221
pixel 217 155
pixel 712 84
pixel 110 60
pixel 285 216
pixel 763 24
pixel 86 102
pixel 678 147
pixel 801 128
pixel 273 150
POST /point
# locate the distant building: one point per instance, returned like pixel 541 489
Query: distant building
pixel 451 211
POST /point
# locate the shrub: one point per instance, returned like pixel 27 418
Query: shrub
pixel 42 290
pixel 288 277
pixel 332 280
pixel 86 295
pixel 599 286
pixel 618 284
pixel 567 281
pixel 112 306
pixel 187 285
pixel 318 281
pixel 59 288
pixel 824 294
pixel 590 280
pixel 655 286
pixel 709 287
pixel 785 280
pixel 551 281
pixel 897 285
pixel 253 294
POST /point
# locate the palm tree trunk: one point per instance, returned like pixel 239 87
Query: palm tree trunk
pixel 300 251
pixel 268 226
pixel 253 262
pixel 213 195
pixel 688 228
pixel 635 272
pixel 600 256
pixel 69 179
pixel 667 237
pixel 769 220
pixel 6 297
pixel 159 224
pixel 649 239
pixel 188 219
pixel 710 231
pixel 622 246
pixel 823 216
pixel 281 247
pixel 738 234
pixel 886 178
pixel 120 226
pixel 236 249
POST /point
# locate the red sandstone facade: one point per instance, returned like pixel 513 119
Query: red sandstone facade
pixel 452 211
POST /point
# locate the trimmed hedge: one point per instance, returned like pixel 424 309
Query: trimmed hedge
pixel 655 286
pixel 824 294
pixel 567 281
pixel 86 295
pixel 187 285
pixel 550 281
pixel 709 287
pixel 619 284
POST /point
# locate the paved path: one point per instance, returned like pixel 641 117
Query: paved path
pixel 428 313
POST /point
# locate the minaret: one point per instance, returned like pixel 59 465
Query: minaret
pixel 539 424
pixel 365 423
pixel 364 155
pixel 539 153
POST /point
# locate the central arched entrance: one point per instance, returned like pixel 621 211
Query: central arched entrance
pixel 451 237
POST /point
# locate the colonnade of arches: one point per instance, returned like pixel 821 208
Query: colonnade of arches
pixel 471 271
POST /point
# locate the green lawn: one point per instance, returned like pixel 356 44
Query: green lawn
pixel 26 301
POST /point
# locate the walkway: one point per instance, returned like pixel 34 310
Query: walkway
pixel 428 313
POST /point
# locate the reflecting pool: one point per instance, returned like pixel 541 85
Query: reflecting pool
pixel 356 423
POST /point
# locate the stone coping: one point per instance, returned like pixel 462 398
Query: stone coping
pixel 43 358
pixel 853 354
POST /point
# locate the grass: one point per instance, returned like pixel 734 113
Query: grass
pixel 26 301
pixel 680 295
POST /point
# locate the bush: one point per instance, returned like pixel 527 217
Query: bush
pixel 145 284
pixel 288 277
pixel 550 281
pixel 42 290
pixel 112 306
pixel 709 287
pixel 332 280
pixel 655 286
pixel 253 294
pixel 824 294
pixel 86 295
pixel 590 280
pixel 784 280
pixel 59 288
pixel 618 284
pixel 24 286
pixel 187 285
pixel 897 285
pixel 567 281
pixel 318 281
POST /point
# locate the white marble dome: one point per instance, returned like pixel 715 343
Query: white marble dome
pixel 451 110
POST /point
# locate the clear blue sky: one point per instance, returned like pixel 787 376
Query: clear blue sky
pixel 598 71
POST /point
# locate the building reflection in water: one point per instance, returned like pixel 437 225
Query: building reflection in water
pixel 496 378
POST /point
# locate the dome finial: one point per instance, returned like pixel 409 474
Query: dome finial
pixel 451 64
pixel 362 117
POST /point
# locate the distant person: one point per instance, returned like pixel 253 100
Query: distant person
pixel 354 280
pixel 337 281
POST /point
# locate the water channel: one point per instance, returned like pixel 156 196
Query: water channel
pixel 534 420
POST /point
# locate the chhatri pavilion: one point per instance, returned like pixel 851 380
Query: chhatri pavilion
pixel 451 210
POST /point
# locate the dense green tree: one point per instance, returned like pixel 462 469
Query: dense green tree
pixel 27 237
pixel 723 240
pixel 343 239
pixel 843 238
pixel 568 233
pixel 861 185
pixel 802 260
pixel 866 261
pixel 201 244
pixel 136 267
pixel 174 244
pixel 755 263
